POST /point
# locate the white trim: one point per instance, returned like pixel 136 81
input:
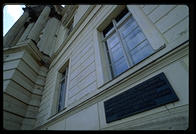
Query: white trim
pixel 68 82
pixel 153 36
pixel 56 91
pixel 102 68
pixel 143 26
pixel 99 65
pixel 55 95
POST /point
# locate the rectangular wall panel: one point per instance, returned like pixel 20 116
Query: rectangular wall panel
pixel 151 93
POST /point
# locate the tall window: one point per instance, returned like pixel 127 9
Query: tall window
pixel 125 43
pixel 63 88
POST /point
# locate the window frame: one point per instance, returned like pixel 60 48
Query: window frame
pixel 65 79
pixel 61 69
pixel 115 30
pixel 156 40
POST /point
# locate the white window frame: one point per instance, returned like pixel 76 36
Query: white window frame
pixel 154 37
pixel 114 29
pixel 66 82
pixel 58 76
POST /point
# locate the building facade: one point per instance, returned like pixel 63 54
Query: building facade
pixel 97 67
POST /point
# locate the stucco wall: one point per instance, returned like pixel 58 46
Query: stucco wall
pixel 24 79
pixel 171 21
pixel 80 12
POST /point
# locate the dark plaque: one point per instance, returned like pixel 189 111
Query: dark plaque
pixel 151 93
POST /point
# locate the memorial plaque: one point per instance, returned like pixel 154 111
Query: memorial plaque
pixel 149 94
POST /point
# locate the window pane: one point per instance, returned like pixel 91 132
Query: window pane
pixel 119 66
pixel 62 96
pixel 139 47
pixel 134 38
pixel 128 26
pixel 112 41
pixel 141 52
pixel 116 52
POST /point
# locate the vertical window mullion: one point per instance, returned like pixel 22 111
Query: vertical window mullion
pixel 125 52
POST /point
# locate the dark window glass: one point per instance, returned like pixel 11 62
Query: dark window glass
pixel 117 60
pixel 116 52
pixel 127 27
pixel 62 92
pixel 107 29
pixel 120 66
pixel 141 52
pixel 62 96
pixel 134 38
pixel 113 41
pixel 121 15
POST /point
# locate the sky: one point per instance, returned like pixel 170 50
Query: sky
pixel 11 13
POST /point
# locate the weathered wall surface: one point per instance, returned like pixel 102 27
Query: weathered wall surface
pixel 80 12
pixel 23 83
pixel 81 57
pixel 48 37
pixel 172 22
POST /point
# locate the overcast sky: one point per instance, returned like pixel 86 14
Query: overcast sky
pixel 11 13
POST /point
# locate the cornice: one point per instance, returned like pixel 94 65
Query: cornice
pixel 31 48
pixel 68 13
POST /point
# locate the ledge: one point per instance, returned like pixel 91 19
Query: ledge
pixel 30 47
pixel 170 53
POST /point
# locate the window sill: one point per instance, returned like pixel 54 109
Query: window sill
pixel 57 115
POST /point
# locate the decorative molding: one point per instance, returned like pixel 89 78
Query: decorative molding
pixel 54 13
pixel 30 47
pixel 68 13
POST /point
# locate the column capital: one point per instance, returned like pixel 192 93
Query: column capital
pixel 39 24
pixel 32 14
pixel 26 9
pixel 53 13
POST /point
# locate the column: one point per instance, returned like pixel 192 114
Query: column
pixel 15 29
pixel 14 42
pixel 26 32
pixel 38 26
pixel 47 41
